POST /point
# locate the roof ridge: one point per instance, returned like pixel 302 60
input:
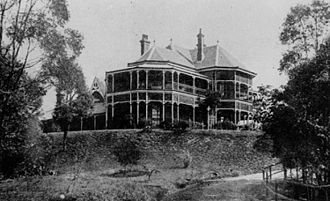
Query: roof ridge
pixel 181 54
pixel 217 55
pixel 151 52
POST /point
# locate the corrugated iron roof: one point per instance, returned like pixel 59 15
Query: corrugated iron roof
pixel 213 56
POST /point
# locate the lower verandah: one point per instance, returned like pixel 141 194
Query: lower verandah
pixel 157 112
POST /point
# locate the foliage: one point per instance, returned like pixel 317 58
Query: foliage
pixel 166 125
pixel 212 100
pixel 65 112
pixel 126 121
pixel 226 125
pixel 307 89
pixel 37 152
pixel 73 99
pixel 295 141
pixel 127 152
pixel 32 32
pixel 180 127
pixel 264 143
pixel 20 99
pixel 299 123
pixel 302 31
pixel 263 102
pixel 187 159
pixel 210 103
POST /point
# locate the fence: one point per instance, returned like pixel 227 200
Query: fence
pixel 96 122
pixel 290 184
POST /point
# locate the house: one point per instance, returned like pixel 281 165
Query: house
pixel 166 84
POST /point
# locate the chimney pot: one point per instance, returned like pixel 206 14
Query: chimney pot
pixel 145 43
pixel 200 46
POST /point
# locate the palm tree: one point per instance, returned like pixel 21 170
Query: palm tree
pixel 211 102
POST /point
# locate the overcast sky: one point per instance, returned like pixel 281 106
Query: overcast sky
pixel 247 29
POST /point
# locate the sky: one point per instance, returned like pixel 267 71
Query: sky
pixel 248 29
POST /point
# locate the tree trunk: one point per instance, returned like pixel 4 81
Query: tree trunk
pixel 65 135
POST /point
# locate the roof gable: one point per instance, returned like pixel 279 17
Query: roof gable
pixel 98 86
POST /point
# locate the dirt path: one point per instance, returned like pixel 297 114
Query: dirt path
pixel 242 188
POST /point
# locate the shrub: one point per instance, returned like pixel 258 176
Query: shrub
pixel 31 157
pixel 143 123
pixel 122 121
pixel 264 143
pixel 226 125
pixel 180 127
pixel 187 159
pixel 127 152
pixel 37 151
pixel 166 125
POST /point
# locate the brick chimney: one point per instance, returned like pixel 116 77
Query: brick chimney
pixel 145 43
pixel 200 46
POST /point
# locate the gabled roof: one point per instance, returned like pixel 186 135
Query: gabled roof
pixel 214 56
pixel 165 54
pixel 98 86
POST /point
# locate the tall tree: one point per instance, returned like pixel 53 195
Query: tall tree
pixel 308 88
pixel 73 98
pixel 300 125
pixel 33 33
pixel 302 31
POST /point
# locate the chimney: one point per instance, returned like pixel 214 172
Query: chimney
pixel 200 46
pixel 145 43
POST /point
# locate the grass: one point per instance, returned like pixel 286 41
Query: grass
pixel 82 169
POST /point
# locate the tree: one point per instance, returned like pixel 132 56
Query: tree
pixel 302 31
pixel 308 88
pixel 299 124
pixel 211 101
pixel 19 102
pixel 32 33
pixel 73 98
pixel 266 98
